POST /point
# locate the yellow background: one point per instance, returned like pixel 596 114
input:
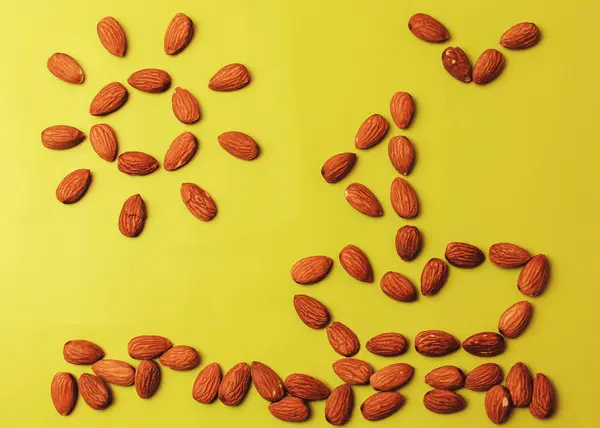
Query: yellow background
pixel 514 161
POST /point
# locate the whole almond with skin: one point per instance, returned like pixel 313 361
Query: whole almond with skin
pixel 198 201
pixel 112 36
pixel 488 67
pixel 435 343
pixel 240 145
pixel 230 78
pixel 443 401
pixel 381 405
pixel 521 36
pixel 445 377
pixel 148 347
pixel 363 200
pixel 306 387
pixel 110 98
pixel 61 137
pixel 387 344
pixel 402 154
pixel 311 270
pixel 65 68
pixel 104 141
pixel 267 383
pixel 338 166
pixel 515 319
pixel 398 287
pixel 206 385
pixel 433 276
pixel 402 109
pixel 82 352
pixel 508 256
pixel 185 106
pixel 519 384
pixel 355 262
pixel 234 385
pixel 338 407
pixel 181 151
pixel 150 80
pixel 486 344
pixel 542 400
pixel 353 371
pixel 457 64
pixel 132 217
pixel 404 199
pixel 136 163
pixel 290 409
pixel 464 255
pixel 534 276
pixel 311 312
pixel 497 404
pixel 73 186
pixel 180 357
pixel 147 378
pixel 427 28
pixel 343 340
pixel 483 377
pixel 63 392
pixel 371 132
pixel 113 371
pixel 391 377
pixel 179 34
pixel 94 391
pixel 408 242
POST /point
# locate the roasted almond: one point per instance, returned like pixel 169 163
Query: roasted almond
pixel 150 80
pixel 404 199
pixel 112 36
pixel 234 385
pixel 519 384
pixel 312 312
pixel 445 377
pixel 185 106
pixel 179 34
pixel 398 287
pixel 381 405
pixel 486 344
pixel 65 68
pixel 508 256
pixel 337 167
pixel 267 383
pixel 457 64
pixel 515 319
pixel 63 392
pixel 521 36
pixel 110 98
pixel 387 344
pixel 371 132
pixel 497 404
pixel 435 343
pixel 290 409
pixel 353 371
pixel 181 151
pixel 94 391
pixel 73 186
pixel 443 401
pixel 542 400
pixel 427 28
pixel 402 154
pixel 113 371
pixel 534 276
pixel 136 163
pixel 238 144
pixel 230 78
pixel 338 407
pixel 464 255
pixel 343 340
pixel 311 270
pixel 180 357
pixel 206 385
pixel 402 109
pixel 132 217
pixel 433 277
pixel 104 141
pixel 363 200
pixel 306 387
pixel 355 262
pixel 198 201
pixel 408 242
pixel 82 352
pixel 483 377
pixel 61 137
pixel 147 378
pixel 489 65
pixel 391 377
pixel 148 347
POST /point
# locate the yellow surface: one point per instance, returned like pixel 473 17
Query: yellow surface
pixel 515 161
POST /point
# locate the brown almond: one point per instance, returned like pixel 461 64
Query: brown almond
pixel 488 67
pixel 433 277
pixel 343 340
pixel 147 379
pixel 112 36
pixel 65 68
pixel 402 154
pixel 381 405
pixel 94 391
pixel 267 383
pixel 355 262
pixel 515 319
pixel 311 312
pixel 306 387
pixel 185 106
pixel 519 384
pixel 150 80
pixel 179 34
pixel 338 407
pixel 435 343
pixel 198 201
pixel 486 344
pixel 443 401
pixel 234 385
pixel 136 163
pixel 398 287
pixel 408 242
pixel 404 199
pixel 82 352
pixel 290 409
pixel 240 145
pixel 427 28
pixel 457 64
pixel 148 347
pixel 61 137
pixel 445 377
pixel 363 200
pixel 181 151
pixel 230 78
pixel 110 98
pixel 338 166
pixel 180 357
pixel 521 36
pixel 387 344
pixel 73 186
pixel 464 255
pixel 534 276
pixel 311 270
pixel 371 132
pixel 542 400
pixel 353 371
pixel 206 385
pixel 391 377
pixel 113 371
pixel 402 109
pixel 63 392
pixel 132 217
pixel 497 404
pixel 483 377
pixel 104 141
pixel 508 256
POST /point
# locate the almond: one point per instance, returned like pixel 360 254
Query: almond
pixel 110 98
pixel 179 34
pixel 489 65
pixel 371 132
pixel 363 200
pixel 185 106
pixel 402 154
pixel 112 36
pixel 464 255
pixel 381 405
pixel 238 144
pixel 337 167
pixel 353 371
pixel 534 276
pixel 230 78
pixel 408 243
pixel 148 347
pixel 82 352
pixel 312 312
pixel 234 385
pixel 435 343
pixel 391 377
pixel 306 387
pixel 355 262
pixel 290 409
pixel 104 141
pixel 398 287
pixel 267 383
pixel 311 270
pixel 433 277
pixel 519 384
pixel 343 340
pixel 427 28
pixel 63 391
pixel 65 68
pixel 73 186
pixel 147 378
pixel 116 372
pixel 206 385
pixel 61 137
pixel 515 319
pixel 486 344
pixel 387 344
pixel 457 64
pixel 150 80
pixel 181 151
pixel 521 36
pixel 180 357
pixel 338 407
pixel 508 256
pixel 445 377
pixel 132 217
pixel 483 377
pixel 497 404
pixel 137 163
pixel 198 201
pixel 404 199
pixel 542 400
pixel 443 401
pixel 402 109
pixel 94 391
